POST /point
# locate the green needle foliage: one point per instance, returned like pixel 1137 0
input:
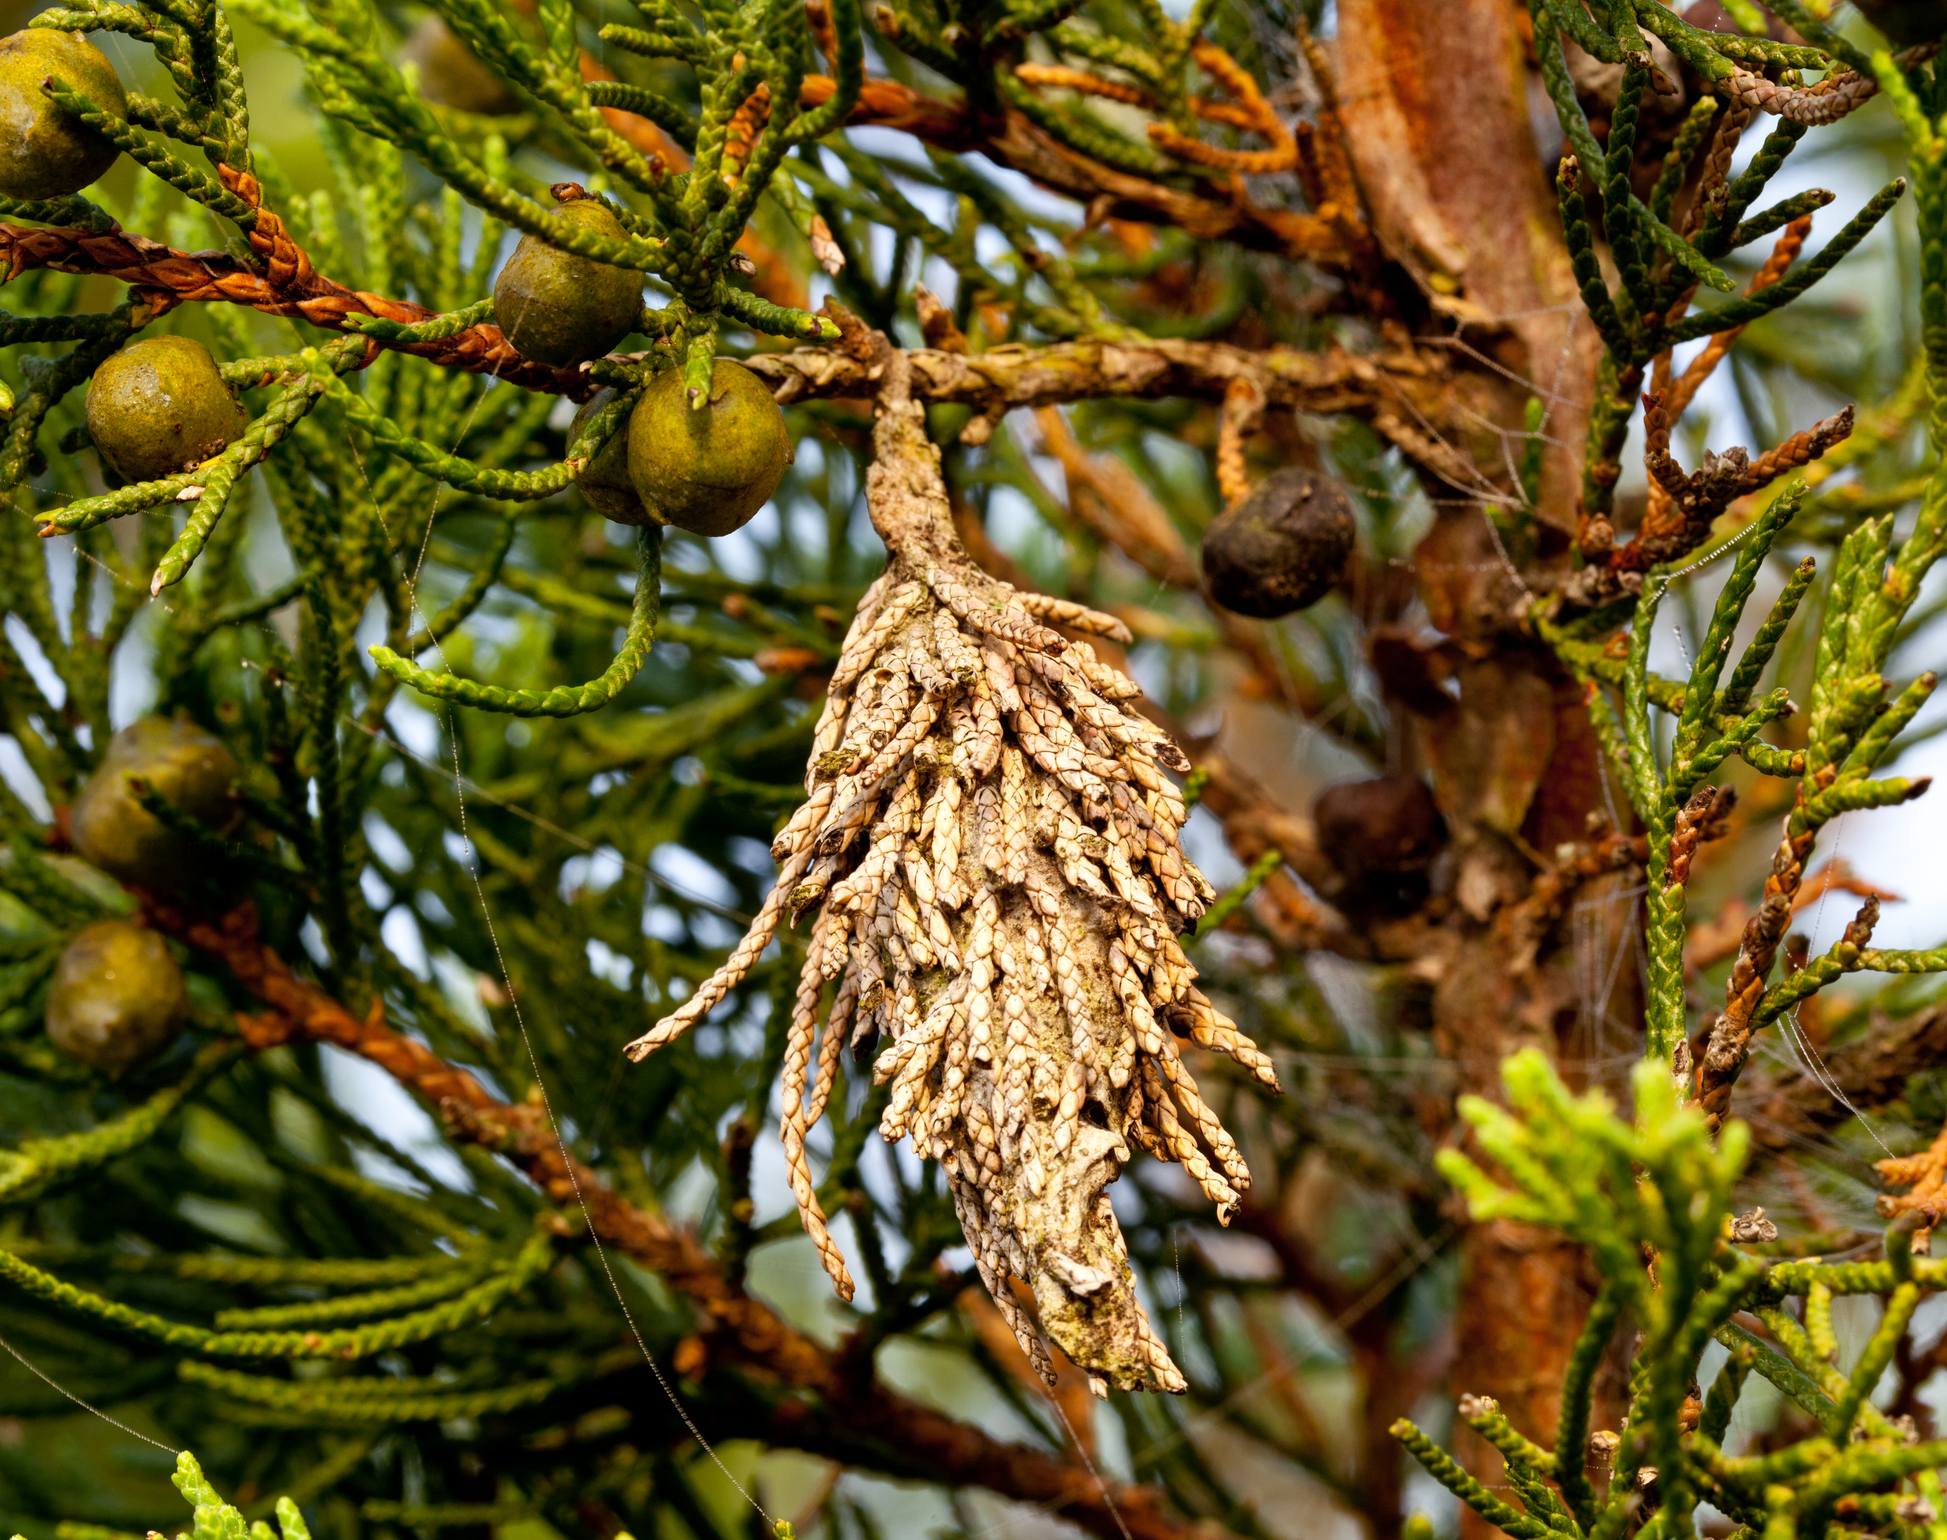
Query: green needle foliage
pixel 1651 1198
pixel 474 722
pixel 1660 1187
pixel 507 774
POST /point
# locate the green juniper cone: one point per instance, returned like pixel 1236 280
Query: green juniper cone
pixel 605 482
pixel 561 309
pixel 172 759
pixel 1282 548
pixel 44 152
pixel 160 406
pixel 117 999
pixel 451 74
pixel 707 469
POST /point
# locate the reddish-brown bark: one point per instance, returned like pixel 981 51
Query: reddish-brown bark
pixel 1434 99
pixel 857 1419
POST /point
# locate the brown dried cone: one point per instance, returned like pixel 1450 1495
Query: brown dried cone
pixel 1380 835
pixel 991 848
pixel 1282 547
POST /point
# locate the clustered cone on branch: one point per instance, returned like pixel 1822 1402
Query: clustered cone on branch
pixel 991 859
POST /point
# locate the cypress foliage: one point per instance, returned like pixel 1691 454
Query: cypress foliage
pixel 539 872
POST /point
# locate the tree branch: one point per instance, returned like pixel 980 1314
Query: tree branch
pixel 1404 395
pixel 165 278
pixel 862 1421
pixel 1384 388
pixel 1206 210
pixel 1021 146
pixel 1788 1112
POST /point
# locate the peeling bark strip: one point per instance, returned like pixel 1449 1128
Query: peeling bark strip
pixel 992 850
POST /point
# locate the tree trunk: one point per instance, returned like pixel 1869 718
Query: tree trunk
pixel 1458 196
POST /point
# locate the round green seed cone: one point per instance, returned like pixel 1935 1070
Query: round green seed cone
pixel 45 151
pixel 605 483
pixel 113 831
pixel 561 309
pixel 159 406
pixel 117 999
pixel 708 469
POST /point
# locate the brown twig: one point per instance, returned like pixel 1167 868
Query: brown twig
pixel 1925 1177
pixel 1676 395
pixel 1832 98
pixel 1250 112
pixel 1691 503
pixel 1106 495
pixel 286 284
pixel 1242 414
pixel 861 1416
pixel 1016 142
pixel 1257 117
pixel 1699 820
pixel 746 123
pixel 1326 157
pixel 1021 146
pixel 1369 386
pixel 1060 77
pixel 1374 386
pixel 1730 1035
pixel 282 282
pixel 1714 940
pixel 1683 506
pixel 1783 253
